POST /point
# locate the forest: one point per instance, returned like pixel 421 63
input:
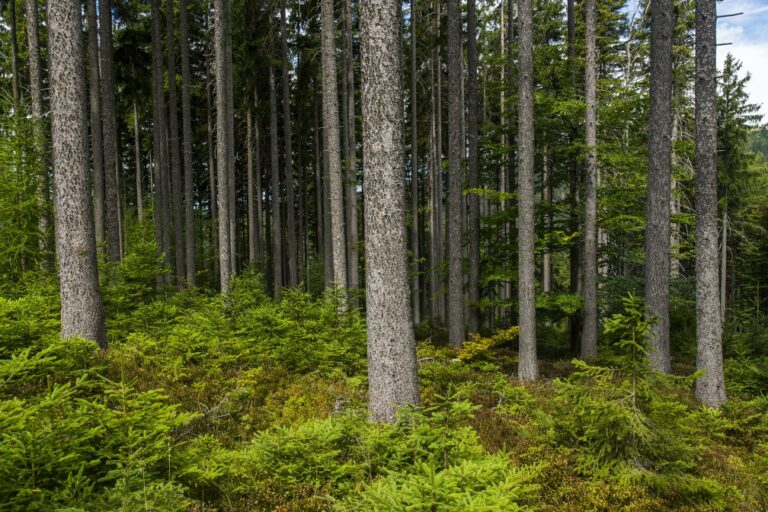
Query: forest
pixel 380 255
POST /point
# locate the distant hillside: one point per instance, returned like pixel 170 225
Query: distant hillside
pixel 758 141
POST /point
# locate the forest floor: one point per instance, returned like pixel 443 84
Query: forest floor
pixel 207 403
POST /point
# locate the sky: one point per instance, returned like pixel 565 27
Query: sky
pixel 749 35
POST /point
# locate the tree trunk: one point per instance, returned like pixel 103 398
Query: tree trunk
pixel 659 180
pixel 212 179
pixel 392 365
pixel 724 268
pixel 277 246
pixel 528 368
pixel 36 93
pixel 173 146
pixel 14 57
pixel 109 132
pixel 290 234
pixel 331 135
pixel 137 158
pixel 224 130
pixel 710 387
pixel 159 137
pixel 589 334
pixel 353 278
pixel 186 130
pixel 546 197
pixel 455 179
pixel 252 227
pixel 97 138
pixel 415 302
pixel 574 253
pixel 318 177
pixel 474 172
pixel 82 311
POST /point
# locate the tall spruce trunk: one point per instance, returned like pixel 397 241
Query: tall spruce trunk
pixel 657 232
pixel 474 172
pixel 528 368
pixel 546 198
pixel 212 177
pixel 332 146
pixel 589 333
pixel 109 117
pixel 159 139
pixel 253 227
pixel 353 271
pixel 222 19
pixel 40 142
pixel 186 131
pixel 710 387
pixel 14 57
pixel 97 137
pixel 173 146
pixel 455 179
pixel 574 253
pixel 82 310
pixel 415 249
pixel 392 365
pixel 290 200
pixel 277 245
pixel 137 161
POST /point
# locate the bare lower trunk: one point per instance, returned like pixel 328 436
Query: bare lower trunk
pixel 109 113
pixel 710 387
pixel 173 147
pixel 589 334
pixel 659 179
pixel 97 138
pixel 724 268
pixel 82 312
pixel 331 136
pixel 392 365
pixel 290 200
pixel 251 190
pixel 528 368
pixel 455 179
pixel 14 57
pixel 546 196
pixel 137 158
pixel 277 246
pixel 224 131
pixel 36 93
pixel 212 180
pixel 186 130
pixel 353 278
pixel 474 172
pixel 415 302
pixel 159 138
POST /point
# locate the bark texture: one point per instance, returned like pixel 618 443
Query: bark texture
pixel 528 369
pixel 290 199
pixel 173 147
pixel 473 225
pixel 109 116
pixel 392 365
pixel 97 138
pixel 415 292
pixel 353 271
pixel 222 19
pixel 277 245
pixel 82 311
pixel 36 94
pixel 186 130
pixel 137 158
pixel 159 138
pixel 589 333
pixel 657 232
pixel 710 387
pixel 332 146
pixel 455 179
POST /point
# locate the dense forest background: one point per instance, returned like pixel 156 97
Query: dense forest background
pixel 379 255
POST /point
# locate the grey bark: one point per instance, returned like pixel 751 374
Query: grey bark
pixel 474 173
pixel 710 388
pixel 331 147
pixel 14 56
pixel 252 226
pixel 137 158
pixel 36 93
pixel 724 267
pixel 657 233
pixel 212 179
pixel 159 138
pixel 186 130
pixel 455 179
pixel 97 138
pixel 222 19
pixel 290 200
pixel 415 292
pixel 277 246
pixel 589 334
pixel 109 132
pixel 173 146
pixel 353 272
pixel 546 196
pixel 392 365
pixel 82 311
pixel 528 368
